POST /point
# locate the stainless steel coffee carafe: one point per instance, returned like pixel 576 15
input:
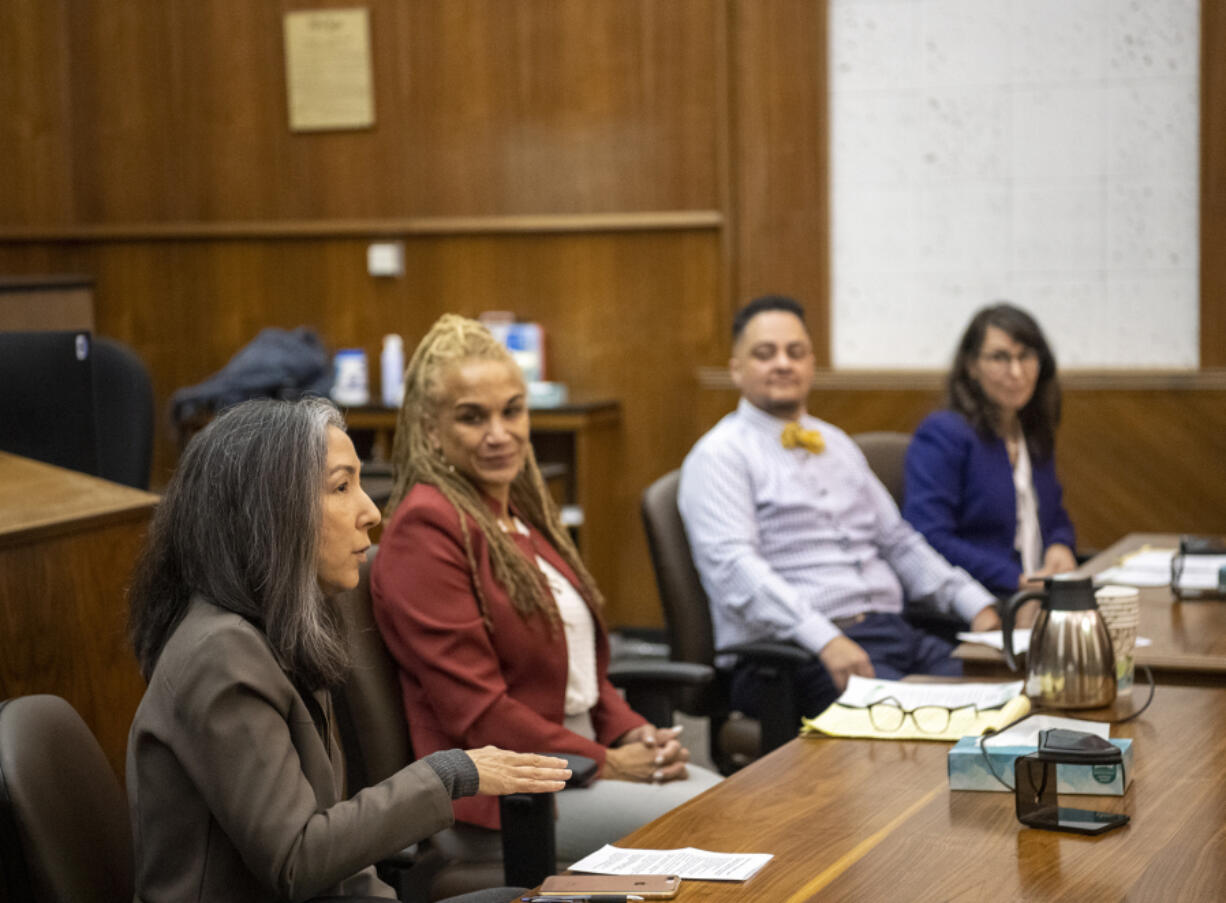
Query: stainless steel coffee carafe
pixel 1071 664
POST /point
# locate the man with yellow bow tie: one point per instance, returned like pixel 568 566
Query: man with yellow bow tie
pixel 796 540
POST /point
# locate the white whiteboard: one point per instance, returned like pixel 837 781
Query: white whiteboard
pixel 1043 152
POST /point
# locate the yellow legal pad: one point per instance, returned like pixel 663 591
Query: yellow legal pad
pixel 846 721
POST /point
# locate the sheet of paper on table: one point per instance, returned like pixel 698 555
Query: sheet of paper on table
pixel 1201 571
pixel 975 707
pixel 1145 567
pixel 864 691
pixel 688 862
pixel 1027 732
pixel 1021 639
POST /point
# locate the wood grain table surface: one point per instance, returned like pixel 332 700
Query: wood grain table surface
pixel 875 820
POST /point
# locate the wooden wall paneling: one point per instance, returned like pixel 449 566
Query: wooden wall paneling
pixel 780 165
pixel 35 142
pixel 126 111
pixel 592 106
pixel 1213 185
pixel 1143 461
pixel 229 76
pixel 482 108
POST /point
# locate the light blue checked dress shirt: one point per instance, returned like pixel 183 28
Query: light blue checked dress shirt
pixel 786 540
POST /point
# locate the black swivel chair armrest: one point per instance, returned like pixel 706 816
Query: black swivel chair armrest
pixel 924 614
pixel 653 687
pixel 654 671
pixel 770 651
pixel 582 768
pixel 777 662
pixel 529 844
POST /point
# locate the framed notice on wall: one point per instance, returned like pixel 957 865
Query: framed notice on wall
pixel 327 69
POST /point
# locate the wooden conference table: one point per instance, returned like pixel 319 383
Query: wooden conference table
pixel 1189 636
pixel 875 820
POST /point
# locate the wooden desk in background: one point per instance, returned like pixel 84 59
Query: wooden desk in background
pixel 1189 637
pixel 876 820
pixel 29 303
pixel 67 545
pixel 579 436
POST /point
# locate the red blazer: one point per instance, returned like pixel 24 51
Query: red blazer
pixel 464 685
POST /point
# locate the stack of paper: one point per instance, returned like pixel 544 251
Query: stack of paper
pixel 688 862
pixel 975 707
pixel 1021 639
pixel 1145 567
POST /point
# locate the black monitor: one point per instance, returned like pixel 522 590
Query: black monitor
pixel 47 398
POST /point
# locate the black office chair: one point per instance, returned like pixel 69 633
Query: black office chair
pixel 64 830
pixel 377 743
pixel 78 402
pixel 735 738
pixel 886 452
pixel 375 737
pixel 123 413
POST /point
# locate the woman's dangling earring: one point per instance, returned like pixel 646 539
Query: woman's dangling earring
pixel 438 450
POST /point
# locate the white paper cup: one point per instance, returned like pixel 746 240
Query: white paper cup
pixel 1121 611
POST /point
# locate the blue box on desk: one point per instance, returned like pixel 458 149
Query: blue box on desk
pixel 968 771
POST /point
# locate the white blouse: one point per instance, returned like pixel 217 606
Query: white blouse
pixel 1028 540
pixel 582 687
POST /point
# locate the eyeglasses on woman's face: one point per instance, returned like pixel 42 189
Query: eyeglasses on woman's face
pixel 1000 359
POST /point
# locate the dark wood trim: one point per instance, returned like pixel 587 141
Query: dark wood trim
pixel 1210 379
pixel 726 163
pixel 653 220
pixel 1212 184
pixel 49 282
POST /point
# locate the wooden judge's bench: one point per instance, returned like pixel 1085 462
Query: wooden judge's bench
pixel 68 543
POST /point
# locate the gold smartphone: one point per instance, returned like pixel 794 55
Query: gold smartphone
pixel 649 887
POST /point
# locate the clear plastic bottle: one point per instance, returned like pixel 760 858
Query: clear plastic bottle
pixel 391 370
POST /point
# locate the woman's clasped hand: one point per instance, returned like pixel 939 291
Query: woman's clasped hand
pixel 647 753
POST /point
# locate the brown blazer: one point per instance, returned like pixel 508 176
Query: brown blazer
pixel 236 796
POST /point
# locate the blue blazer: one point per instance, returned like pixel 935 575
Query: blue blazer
pixel 959 494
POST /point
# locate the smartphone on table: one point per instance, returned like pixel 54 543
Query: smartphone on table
pixel 649 887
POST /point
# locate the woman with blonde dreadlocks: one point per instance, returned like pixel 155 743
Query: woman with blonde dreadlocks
pixel 484 602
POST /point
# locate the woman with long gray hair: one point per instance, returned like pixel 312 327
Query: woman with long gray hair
pixel 483 600
pixel 233 771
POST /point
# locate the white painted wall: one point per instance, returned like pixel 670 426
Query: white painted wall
pixel 1039 151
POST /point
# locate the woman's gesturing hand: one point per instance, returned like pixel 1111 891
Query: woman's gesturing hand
pixel 501 771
